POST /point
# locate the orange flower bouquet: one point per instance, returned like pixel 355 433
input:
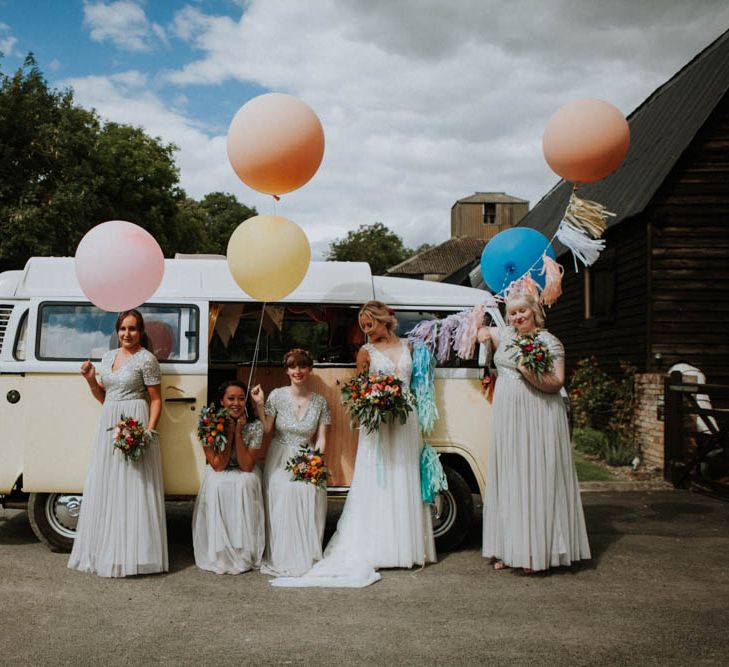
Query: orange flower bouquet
pixel 130 437
pixel 373 399
pixel 308 466
pixel 211 427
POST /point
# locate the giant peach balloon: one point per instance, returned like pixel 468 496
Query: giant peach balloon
pixel 119 265
pixel 268 256
pixel 275 143
pixel 586 140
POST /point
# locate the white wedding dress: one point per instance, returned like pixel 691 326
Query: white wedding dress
pixel 384 522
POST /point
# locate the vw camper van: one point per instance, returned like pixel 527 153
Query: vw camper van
pixel 204 330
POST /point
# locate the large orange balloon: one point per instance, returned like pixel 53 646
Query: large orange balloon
pixel 275 143
pixel 586 140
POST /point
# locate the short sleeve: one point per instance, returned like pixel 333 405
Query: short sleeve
pixel 271 407
pixel 150 370
pixel 324 415
pixel 553 344
pixel 253 434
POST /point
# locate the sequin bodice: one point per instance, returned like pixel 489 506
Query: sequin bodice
pixel 132 378
pixel 382 363
pixel 291 431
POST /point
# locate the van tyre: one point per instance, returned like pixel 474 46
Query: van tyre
pixel 452 512
pixel 53 518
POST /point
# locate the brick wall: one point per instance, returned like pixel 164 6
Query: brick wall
pixel 648 429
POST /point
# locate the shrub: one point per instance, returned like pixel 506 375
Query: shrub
pixel 619 450
pixel 589 440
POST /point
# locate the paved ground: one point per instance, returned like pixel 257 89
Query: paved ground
pixel 655 593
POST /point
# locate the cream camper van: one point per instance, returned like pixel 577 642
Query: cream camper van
pixel 203 330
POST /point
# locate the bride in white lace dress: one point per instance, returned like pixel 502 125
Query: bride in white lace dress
pixel 384 522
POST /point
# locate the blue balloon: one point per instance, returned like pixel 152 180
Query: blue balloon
pixel 510 254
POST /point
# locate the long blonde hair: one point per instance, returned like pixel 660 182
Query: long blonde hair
pixel 379 312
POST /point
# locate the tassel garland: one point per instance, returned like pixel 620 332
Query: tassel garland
pixel 422 384
pixel 587 216
pixel 553 280
pixel 584 248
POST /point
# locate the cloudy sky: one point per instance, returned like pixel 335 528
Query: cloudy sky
pixel 422 101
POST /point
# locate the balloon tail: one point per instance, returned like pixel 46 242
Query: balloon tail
pixel 584 248
pixel 587 216
pixel 552 271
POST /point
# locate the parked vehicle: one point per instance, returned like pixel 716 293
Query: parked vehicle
pixel 203 330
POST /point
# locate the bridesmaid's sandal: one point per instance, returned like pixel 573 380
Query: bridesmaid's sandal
pixel 498 565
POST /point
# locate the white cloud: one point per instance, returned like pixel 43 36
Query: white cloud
pixel 7 41
pixel 124 24
pixel 422 101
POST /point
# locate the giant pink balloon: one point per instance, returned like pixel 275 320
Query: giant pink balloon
pixel 275 143
pixel 586 140
pixel 119 265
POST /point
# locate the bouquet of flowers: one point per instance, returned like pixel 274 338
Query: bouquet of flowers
pixel 211 427
pixel 372 399
pixel 130 437
pixel 532 353
pixel 308 466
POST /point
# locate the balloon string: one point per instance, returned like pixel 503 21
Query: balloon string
pixel 254 361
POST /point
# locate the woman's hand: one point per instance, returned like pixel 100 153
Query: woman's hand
pixel 484 335
pixel 88 370
pixel 257 395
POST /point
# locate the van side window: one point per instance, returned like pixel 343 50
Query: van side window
pixel 72 331
pixel 21 338
pixel 6 310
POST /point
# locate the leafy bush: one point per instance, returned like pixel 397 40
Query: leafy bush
pixel 589 440
pixel 619 450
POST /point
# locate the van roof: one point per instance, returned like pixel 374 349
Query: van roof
pixel 209 279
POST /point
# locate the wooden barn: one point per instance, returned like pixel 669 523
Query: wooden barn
pixel 659 294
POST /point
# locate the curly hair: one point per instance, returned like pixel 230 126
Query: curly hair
pixel 379 312
pixel 298 357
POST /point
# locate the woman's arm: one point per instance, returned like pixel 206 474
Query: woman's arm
pixel 363 361
pixel 321 437
pixel 259 399
pixel 246 457
pixel 89 373
pixel 488 335
pixel 218 461
pixel 550 383
pixel 155 405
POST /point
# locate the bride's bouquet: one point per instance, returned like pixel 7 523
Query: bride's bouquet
pixel 373 399
pixel 308 466
pixel 211 427
pixel 130 437
pixel 532 353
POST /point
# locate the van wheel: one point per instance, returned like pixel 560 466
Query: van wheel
pixel 53 518
pixel 452 512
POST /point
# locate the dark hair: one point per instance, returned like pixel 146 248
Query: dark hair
pixel 133 312
pixel 250 414
pixel 298 357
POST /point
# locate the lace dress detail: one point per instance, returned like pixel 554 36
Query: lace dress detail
pixel 533 514
pixel 384 522
pixel 121 528
pixel 228 522
pixel 295 511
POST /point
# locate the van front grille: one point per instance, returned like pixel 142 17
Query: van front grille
pixel 5 310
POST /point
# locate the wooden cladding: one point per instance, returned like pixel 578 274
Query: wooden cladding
pixel 483 220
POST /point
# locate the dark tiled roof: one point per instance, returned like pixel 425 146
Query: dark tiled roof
pixel 660 131
pixel 491 198
pixel 445 259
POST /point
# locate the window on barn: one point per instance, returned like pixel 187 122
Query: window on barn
pixel 489 214
pixel 599 288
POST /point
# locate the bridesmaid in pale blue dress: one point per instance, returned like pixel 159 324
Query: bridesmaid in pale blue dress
pixel 121 527
pixel 533 516
pixel 228 525
pixel 295 510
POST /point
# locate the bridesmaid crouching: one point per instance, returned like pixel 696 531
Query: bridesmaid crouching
pixel 228 521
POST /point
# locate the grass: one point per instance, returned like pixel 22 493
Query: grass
pixel 587 471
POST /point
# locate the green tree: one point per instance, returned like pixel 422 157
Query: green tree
pixel 375 244
pixel 223 214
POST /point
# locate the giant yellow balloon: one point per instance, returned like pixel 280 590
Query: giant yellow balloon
pixel 268 256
